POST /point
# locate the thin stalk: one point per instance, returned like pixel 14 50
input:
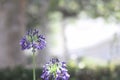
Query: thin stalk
pixel 34 66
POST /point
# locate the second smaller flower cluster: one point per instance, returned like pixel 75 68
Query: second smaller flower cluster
pixel 55 70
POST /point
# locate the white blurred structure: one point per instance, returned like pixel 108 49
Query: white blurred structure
pixel 94 38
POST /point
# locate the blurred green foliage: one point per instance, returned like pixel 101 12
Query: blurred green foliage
pixel 94 8
pixel 20 73
pixel 108 9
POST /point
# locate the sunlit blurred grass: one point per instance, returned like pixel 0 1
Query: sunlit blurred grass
pixel 92 64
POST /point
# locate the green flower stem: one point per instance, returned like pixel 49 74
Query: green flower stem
pixel 34 66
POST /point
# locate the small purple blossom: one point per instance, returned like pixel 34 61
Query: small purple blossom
pixel 55 70
pixel 32 39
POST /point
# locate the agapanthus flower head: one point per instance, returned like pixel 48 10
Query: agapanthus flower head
pixel 55 70
pixel 32 39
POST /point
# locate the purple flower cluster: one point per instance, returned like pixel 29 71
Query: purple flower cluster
pixel 55 70
pixel 33 40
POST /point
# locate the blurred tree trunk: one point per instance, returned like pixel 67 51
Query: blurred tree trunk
pixel 12 25
pixel 65 48
pixel 43 55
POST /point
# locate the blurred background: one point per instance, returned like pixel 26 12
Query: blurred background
pixel 84 33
